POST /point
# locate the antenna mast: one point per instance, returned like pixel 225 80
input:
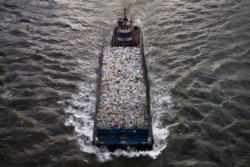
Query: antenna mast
pixel 124 14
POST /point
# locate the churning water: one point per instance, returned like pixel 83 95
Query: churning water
pixel 198 60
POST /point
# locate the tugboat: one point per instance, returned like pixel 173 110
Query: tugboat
pixel 125 34
pixel 122 118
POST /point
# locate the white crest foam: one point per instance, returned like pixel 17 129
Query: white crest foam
pixel 80 115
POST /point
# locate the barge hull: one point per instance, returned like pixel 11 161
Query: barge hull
pixel 112 127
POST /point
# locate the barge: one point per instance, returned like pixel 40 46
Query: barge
pixel 122 117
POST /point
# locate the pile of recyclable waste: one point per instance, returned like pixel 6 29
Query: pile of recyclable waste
pixel 122 92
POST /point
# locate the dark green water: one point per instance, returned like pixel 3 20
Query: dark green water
pixel 198 59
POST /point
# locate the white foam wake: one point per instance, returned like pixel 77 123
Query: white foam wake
pixel 80 115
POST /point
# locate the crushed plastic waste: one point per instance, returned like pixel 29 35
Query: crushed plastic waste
pixel 123 101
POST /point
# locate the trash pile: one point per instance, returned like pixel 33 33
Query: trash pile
pixel 122 93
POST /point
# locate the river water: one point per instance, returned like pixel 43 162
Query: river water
pixel 198 60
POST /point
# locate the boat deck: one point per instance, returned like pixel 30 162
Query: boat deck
pixel 122 99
